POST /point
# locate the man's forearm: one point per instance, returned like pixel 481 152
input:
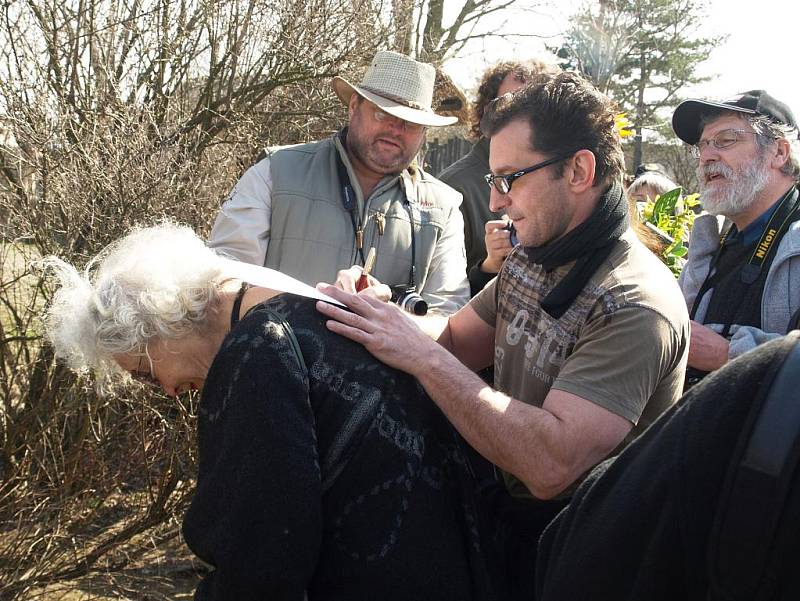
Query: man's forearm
pixel 519 438
pixel 536 445
pixel 707 349
pixel 433 324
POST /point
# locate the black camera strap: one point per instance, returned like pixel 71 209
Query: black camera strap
pixel 412 273
pixel 787 211
pixel 349 200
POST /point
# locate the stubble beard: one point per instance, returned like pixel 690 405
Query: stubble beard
pixel 739 190
pixel 546 227
pixel 375 160
pixel 384 163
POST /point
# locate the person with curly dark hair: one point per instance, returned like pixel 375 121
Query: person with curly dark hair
pixel 483 228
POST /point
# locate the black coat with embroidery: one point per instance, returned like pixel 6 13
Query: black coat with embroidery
pixel 333 474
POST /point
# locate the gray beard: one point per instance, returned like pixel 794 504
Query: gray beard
pixel 740 190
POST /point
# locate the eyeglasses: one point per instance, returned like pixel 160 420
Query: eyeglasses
pixel 382 116
pixel 722 139
pixel 503 183
pixel 142 376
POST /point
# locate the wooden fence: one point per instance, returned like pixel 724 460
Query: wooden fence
pixel 441 154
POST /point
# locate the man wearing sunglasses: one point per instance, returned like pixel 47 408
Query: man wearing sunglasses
pixel 313 209
pixel 586 328
pixel 742 278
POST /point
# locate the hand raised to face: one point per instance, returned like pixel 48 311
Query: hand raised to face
pixel 498 245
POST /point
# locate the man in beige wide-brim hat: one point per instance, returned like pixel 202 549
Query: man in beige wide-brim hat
pixel 312 210
pixel 398 85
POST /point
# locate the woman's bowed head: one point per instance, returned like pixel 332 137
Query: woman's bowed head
pixel 154 306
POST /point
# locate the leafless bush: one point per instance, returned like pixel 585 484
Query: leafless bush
pixel 115 112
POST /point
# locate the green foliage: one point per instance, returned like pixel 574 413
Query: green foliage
pixel 673 215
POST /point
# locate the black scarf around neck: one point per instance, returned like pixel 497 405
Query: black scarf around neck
pixel 588 244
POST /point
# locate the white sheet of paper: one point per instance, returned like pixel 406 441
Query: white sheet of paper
pixel 269 278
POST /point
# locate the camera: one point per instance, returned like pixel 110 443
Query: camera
pixel 407 299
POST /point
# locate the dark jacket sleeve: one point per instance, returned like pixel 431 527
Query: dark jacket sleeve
pixel 256 514
pixel 638 527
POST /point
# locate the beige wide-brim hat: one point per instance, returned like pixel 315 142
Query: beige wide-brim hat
pixel 400 86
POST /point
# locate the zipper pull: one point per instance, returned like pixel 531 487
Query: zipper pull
pixel 360 238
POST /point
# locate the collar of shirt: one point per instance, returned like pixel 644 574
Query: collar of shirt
pixel 753 231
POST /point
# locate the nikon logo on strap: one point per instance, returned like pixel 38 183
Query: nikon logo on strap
pixel 778 223
pixel 765 243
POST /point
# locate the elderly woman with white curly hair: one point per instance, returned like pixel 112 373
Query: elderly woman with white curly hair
pixel 323 474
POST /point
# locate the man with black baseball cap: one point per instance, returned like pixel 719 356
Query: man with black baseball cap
pixel 742 278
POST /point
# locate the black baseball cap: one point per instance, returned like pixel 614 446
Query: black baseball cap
pixel 686 118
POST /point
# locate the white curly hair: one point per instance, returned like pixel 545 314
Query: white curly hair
pixel 157 282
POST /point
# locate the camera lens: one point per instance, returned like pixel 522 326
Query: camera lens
pixel 414 303
pixel 407 299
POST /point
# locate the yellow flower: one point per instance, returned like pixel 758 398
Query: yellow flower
pixel 623 126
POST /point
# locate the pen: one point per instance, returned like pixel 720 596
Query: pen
pixel 363 281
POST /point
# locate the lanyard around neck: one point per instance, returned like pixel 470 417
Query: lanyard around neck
pixel 349 200
pixel 349 204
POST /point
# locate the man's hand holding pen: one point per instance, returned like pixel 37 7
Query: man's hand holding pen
pixel 357 279
pixel 363 280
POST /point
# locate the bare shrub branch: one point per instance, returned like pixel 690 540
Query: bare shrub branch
pixel 115 113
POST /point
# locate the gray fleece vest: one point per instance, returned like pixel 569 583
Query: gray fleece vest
pixel 312 237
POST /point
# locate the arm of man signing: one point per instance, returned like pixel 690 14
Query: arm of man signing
pixel 547 448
